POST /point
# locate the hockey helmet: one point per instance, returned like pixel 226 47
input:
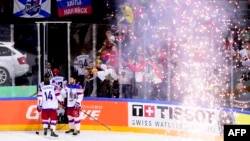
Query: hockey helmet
pixel 56 71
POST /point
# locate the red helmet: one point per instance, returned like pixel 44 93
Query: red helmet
pixel 56 71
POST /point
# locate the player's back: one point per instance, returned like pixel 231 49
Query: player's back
pixel 58 81
pixel 49 95
pixel 82 61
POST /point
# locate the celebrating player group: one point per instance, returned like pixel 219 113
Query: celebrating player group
pixel 56 95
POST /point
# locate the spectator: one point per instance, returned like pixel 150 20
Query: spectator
pixel 138 66
pixel 88 83
pixel 80 64
pixel 109 43
pixel 244 55
pixel 49 69
pixel 156 79
pixel 128 14
pixel 125 79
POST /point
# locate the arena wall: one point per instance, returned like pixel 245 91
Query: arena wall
pixel 129 116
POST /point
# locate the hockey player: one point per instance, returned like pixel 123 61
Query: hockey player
pixel 58 80
pixel 47 76
pixel 74 94
pixel 47 98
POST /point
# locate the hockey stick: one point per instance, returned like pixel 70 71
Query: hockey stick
pixel 96 120
pixel 38 123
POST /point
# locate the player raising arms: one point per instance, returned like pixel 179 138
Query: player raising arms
pixel 47 98
pixel 74 94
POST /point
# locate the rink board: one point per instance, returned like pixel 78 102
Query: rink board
pixel 129 116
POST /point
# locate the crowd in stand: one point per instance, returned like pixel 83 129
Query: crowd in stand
pixel 120 67
pixel 128 66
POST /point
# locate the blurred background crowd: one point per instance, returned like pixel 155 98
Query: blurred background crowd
pixel 192 52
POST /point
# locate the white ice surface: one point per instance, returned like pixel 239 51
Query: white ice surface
pixel 87 136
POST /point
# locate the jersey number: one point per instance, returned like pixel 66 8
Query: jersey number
pixel 81 64
pixel 48 96
pixel 60 84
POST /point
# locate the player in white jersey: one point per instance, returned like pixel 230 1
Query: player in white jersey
pixel 47 98
pixel 74 94
pixel 46 76
pixel 58 80
pixel 81 62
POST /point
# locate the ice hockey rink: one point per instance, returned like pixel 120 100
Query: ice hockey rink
pixel 88 136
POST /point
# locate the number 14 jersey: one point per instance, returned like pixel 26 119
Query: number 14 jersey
pixel 48 97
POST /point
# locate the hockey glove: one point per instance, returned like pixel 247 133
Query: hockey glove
pixel 77 106
pixel 39 108
pixel 61 103
pixel 76 112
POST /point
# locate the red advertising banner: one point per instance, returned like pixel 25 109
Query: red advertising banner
pixel 20 112
pixel 73 7
pixel 112 113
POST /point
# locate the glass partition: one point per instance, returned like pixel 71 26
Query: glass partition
pixel 135 62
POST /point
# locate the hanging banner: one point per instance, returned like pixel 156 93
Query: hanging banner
pixel 32 8
pixel 73 7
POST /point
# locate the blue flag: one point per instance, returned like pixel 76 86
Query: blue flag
pixel 32 8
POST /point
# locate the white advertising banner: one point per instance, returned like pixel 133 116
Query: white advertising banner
pixel 174 117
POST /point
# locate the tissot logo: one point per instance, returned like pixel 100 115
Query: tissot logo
pixel 143 110
pixel 174 113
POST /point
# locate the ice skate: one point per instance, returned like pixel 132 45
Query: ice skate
pixel 45 131
pixel 69 131
pixel 53 134
pixel 76 132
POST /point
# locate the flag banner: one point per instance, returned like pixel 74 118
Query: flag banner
pixel 32 8
pixel 73 7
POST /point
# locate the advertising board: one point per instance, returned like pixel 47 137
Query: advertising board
pixel 129 116
pixel 22 114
